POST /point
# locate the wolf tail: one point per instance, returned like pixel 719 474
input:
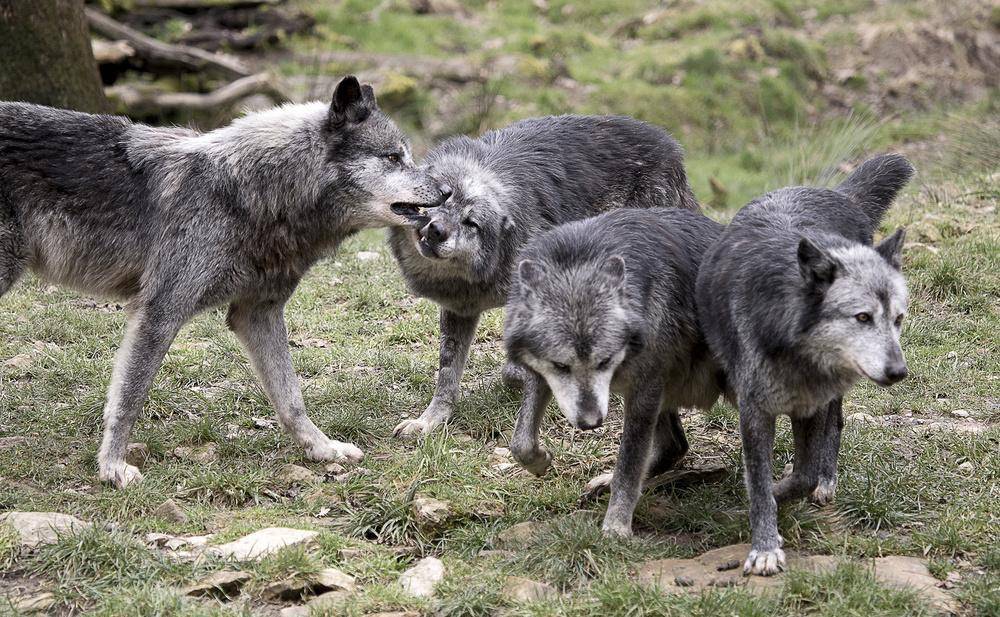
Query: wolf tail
pixel 875 183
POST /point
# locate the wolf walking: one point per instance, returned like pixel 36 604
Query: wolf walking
pixel 177 221
pixel 508 186
pixel 797 306
pixel 606 304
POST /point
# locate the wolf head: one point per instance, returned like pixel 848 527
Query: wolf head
pixel 858 300
pixel 573 326
pixel 471 226
pixel 372 160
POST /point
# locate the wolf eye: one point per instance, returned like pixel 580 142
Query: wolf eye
pixel 393 158
pixel 863 317
pixel 899 320
pixel 603 364
pixel 559 366
pixel 470 223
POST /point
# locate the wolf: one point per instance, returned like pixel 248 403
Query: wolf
pixel 797 306
pixel 507 187
pixel 606 304
pixel 175 221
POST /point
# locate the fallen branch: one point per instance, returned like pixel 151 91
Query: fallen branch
pixel 159 54
pixel 140 101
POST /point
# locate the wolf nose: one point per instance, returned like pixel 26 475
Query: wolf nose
pixel 435 232
pixel 445 192
pixel 589 424
pixel 896 372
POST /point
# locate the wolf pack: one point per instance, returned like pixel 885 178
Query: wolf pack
pixel 584 228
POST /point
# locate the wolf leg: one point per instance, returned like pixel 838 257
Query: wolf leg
pixel 524 444
pixel 513 376
pixel 809 435
pixel 261 330
pixel 757 431
pixel 826 486
pixel 13 262
pixel 457 332
pixel 641 412
pixel 148 335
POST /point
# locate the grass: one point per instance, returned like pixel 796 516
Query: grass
pixel 741 86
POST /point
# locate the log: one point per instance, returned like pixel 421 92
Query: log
pixel 140 101
pixel 163 55
pixel 111 52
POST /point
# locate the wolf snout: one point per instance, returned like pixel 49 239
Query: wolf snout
pixel 589 422
pixel 894 373
pixel 434 232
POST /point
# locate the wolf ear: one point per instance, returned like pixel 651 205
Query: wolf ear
pixel 614 269
pixel 349 102
pixel 891 249
pixel 815 264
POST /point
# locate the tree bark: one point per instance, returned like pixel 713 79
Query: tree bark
pixel 45 55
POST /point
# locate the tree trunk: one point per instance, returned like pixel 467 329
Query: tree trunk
pixel 45 55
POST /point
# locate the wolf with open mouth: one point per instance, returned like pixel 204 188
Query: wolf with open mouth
pixel 507 187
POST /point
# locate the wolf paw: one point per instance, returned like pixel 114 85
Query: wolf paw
pixel 537 462
pixel 616 529
pixel 824 492
pixel 765 563
pixel 120 475
pixel 335 451
pixel 414 428
pixel 597 486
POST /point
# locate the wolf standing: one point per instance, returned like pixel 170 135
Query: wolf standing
pixel 508 186
pixel 797 306
pixel 177 221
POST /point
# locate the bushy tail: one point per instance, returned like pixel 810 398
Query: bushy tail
pixel 875 183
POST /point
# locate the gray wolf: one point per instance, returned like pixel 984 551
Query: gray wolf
pixel 797 306
pixel 606 304
pixel 175 222
pixel 507 187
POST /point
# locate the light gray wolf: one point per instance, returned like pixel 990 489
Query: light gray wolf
pixel 176 221
pixel 797 306
pixel 508 186
pixel 608 303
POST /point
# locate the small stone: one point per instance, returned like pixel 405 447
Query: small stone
pixel 204 453
pixel 683 581
pixel 263 423
pixel 21 361
pixel 346 554
pixel 967 467
pixel 170 511
pixel 37 528
pixel 430 512
pixel 334 469
pixel 137 454
pixel 520 535
pixel 421 579
pixel 960 413
pixel 527 590
pixel 296 474
pixel 262 543
pixel 367 256
pixel 222 585
pixel 861 418
pixel 35 604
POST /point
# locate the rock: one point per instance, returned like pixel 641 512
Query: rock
pixel 262 543
pixel 37 528
pixel 204 453
pixel 912 573
pixel 21 361
pixel 527 590
pixel 960 413
pixel 520 535
pixel 334 469
pixel 10 442
pixel 137 454
pixel 967 467
pixel 170 511
pixel 222 585
pixel 430 512
pixel 421 579
pixel 164 540
pixel 326 580
pixel 345 554
pixel 861 418
pixel 35 604
pixel 367 256
pixel 295 474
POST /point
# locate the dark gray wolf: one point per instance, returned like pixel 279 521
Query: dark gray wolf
pixel 605 304
pixel 177 221
pixel 797 306
pixel 508 186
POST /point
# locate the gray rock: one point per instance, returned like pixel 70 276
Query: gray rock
pixel 324 581
pixel 421 579
pixel 170 511
pixel 205 453
pixel 262 543
pixel 520 535
pixel 223 584
pixel 296 474
pixel 137 454
pixel 37 528
pixel 35 604
pixel 430 513
pixel 527 590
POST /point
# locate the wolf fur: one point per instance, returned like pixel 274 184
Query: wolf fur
pixel 176 221
pixel 797 306
pixel 508 186
pixel 605 304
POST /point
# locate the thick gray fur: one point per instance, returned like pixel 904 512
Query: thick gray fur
pixel 509 186
pixel 797 306
pixel 608 303
pixel 176 221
